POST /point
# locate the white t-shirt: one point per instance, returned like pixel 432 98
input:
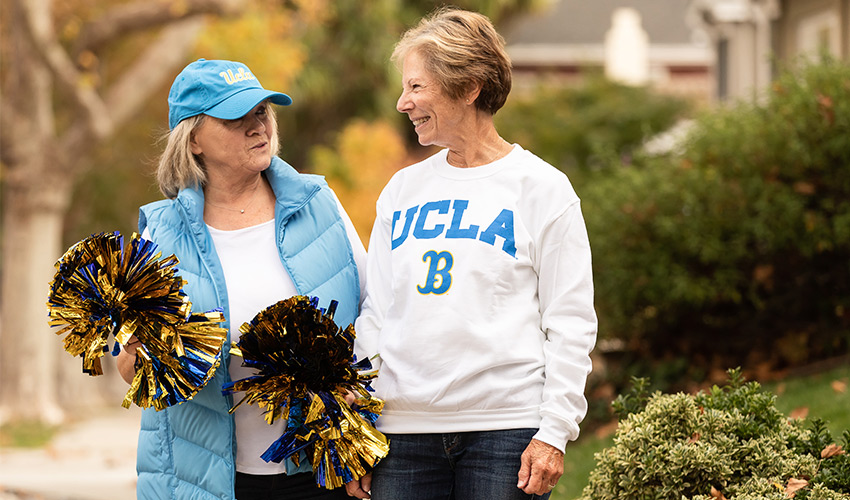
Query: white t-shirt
pixel 479 299
pixel 256 279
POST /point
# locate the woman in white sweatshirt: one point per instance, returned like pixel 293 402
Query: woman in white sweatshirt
pixel 479 288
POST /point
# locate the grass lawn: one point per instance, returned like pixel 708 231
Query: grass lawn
pixel 26 434
pixel 578 462
pixel 825 395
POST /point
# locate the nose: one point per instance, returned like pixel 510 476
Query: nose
pixel 403 105
pixel 256 124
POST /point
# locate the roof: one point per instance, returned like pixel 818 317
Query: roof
pixel 584 22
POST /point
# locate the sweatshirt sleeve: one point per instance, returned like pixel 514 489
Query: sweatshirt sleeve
pixel 357 248
pixel 378 290
pixel 569 321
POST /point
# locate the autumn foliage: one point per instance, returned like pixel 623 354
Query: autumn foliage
pixel 364 157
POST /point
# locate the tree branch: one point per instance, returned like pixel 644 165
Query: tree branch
pixel 7 156
pixel 145 14
pixel 160 62
pixel 38 28
pixel 127 96
pixel 96 115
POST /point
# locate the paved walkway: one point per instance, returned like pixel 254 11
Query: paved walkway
pixel 93 459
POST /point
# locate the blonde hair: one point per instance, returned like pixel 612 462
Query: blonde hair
pixel 179 168
pixel 461 48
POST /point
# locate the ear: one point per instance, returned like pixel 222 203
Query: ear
pixel 472 93
pixel 194 146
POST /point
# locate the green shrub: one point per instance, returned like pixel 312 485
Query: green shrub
pixel 728 442
pixel 584 127
pixel 736 249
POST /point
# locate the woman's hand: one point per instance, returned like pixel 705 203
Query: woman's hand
pixel 350 396
pixel 359 488
pixel 542 466
pixel 126 361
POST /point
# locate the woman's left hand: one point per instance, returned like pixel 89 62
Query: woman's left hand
pixel 542 466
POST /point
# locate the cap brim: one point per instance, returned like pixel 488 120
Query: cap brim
pixel 238 105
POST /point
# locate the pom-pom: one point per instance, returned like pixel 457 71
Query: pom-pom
pixel 170 378
pixel 103 289
pixel 305 370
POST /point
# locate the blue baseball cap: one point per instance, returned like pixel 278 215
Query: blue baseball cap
pixel 221 89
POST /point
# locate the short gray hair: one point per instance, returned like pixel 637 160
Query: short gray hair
pixel 461 48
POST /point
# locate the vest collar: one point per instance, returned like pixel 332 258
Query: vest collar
pixel 291 189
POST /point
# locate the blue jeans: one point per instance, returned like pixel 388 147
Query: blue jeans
pixel 458 466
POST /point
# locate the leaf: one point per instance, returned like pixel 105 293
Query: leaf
pixel 715 493
pixel 606 430
pixel 694 438
pixel 794 485
pixel 839 386
pixel 802 187
pixel 762 274
pixel 800 412
pixel 826 108
pixel 831 451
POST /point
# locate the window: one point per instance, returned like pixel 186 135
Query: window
pixel 819 33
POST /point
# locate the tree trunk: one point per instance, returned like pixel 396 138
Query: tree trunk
pixel 39 381
pixel 29 359
pixel 28 374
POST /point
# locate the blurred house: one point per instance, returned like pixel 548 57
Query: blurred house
pixel 751 38
pixel 637 42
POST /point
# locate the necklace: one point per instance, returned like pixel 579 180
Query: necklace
pixel 240 210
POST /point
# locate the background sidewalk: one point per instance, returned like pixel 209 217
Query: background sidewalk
pixel 91 459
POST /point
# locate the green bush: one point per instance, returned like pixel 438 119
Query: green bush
pixel 736 249
pixel 728 442
pixel 584 127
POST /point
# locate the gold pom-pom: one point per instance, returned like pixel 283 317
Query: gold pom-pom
pixel 168 379
pixel 102 289
pixel 305 369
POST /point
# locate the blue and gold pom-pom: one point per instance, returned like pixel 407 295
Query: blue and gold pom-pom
pixel 166 379
pixel 104 290
pixel 305 371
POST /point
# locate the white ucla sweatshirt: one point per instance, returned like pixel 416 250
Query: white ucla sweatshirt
pixel 479 299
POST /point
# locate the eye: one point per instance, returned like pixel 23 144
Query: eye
pixel 412 86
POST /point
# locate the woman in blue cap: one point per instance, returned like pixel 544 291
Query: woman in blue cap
pixel 249 231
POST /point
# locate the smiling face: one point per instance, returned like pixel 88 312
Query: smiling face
pixel 437 118
pixel 243 144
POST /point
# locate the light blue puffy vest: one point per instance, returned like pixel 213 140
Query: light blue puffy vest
pixel 187 452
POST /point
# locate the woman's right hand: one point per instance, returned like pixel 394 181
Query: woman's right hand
pixel 359 488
